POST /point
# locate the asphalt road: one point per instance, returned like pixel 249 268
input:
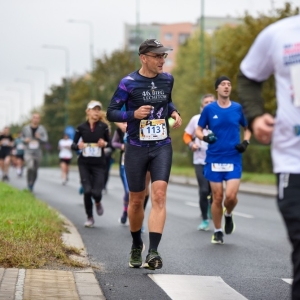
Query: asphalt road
pixel 252 264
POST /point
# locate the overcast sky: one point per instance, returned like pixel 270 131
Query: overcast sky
pixel 27 25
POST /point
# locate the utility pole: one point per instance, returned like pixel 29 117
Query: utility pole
pixel 202 40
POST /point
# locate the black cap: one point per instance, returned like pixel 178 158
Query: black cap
pixel 154 46
pixel 220 79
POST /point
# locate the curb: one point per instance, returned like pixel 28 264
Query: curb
pixel 85 280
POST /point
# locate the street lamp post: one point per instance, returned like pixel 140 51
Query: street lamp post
pixel 91 31
pixel 67 60
pixel 41 69
pixel 30 82
pixel 137 32
pixel 202 46
pixel 19 91
pixel 7 117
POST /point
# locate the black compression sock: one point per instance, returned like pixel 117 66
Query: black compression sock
pixel 136 239
pixel 154 239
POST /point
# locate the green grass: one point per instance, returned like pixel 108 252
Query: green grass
pixel 30 232
pixel 246 177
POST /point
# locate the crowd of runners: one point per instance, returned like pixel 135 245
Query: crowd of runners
pixel 142 112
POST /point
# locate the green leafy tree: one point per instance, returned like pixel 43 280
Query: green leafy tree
pixel 224 51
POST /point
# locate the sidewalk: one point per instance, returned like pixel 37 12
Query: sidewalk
pixel 39 284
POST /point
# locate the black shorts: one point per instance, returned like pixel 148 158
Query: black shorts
pixel 4 152
pixel 139 160
pixel 65 160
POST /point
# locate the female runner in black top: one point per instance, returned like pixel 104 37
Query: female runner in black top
pixel 91 138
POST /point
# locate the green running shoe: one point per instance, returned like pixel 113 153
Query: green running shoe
pixel 204 225
pixel 217 238
pixel 135 260
pixel 153 260
pixel 229 225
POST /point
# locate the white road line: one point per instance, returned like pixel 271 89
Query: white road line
pixel 288 280
pixel 192 287
pixel 235 213
pixel 193 204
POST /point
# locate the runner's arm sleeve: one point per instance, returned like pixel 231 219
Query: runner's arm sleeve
pixel 187 138
pixel 43 134
pixel 107 137
pixel 116 142
pixel 114 110
pixel 77 136
pixel 249 94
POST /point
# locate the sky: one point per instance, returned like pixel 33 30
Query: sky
pixel 27 27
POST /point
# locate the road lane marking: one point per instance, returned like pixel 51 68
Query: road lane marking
pixel 288 280
pixel 192 287
pixel 235 213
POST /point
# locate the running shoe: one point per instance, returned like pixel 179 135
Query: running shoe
pixel 153 260
pixel 99 209
pixel 136 260
pixel 89 223
pixel 80 190
pixel 123 219
pixel 5 178
pixel 30 187
pixel 229 226
pixel 217 238
pixel 204 225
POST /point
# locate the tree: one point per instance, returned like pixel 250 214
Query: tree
pixel 224 51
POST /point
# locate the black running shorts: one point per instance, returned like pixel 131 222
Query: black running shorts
pixel 139 160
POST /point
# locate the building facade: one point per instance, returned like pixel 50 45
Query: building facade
pixel 171 35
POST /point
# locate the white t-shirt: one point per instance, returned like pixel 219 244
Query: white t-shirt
pixel 65 148
pixel 276 50
pixel 199 155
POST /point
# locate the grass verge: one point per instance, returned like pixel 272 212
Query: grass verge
pixel 30 232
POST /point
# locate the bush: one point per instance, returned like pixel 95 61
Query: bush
pixel 257 159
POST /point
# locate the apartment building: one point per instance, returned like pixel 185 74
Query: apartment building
pixel 171 35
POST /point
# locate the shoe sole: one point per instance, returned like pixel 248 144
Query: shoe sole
pixel 216 242
pixel 138 265
pixel 89 226
pixel 203 229
pixel 154 264
pixel 233 229
pixel 123 224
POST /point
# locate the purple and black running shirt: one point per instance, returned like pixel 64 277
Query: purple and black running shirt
pixel 134 91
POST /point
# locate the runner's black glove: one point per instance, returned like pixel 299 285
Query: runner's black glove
pixel 210 139
pixel 242 146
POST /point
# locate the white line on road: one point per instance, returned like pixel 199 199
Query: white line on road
pixel 192 287
pixel 193 204
pixel 288 280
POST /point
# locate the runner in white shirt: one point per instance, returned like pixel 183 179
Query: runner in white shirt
pixel 276 50
pixel 65 156
pixel 199 154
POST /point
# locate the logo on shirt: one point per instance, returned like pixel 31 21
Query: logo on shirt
pixel 154 95
pixel 291 54
pixel 152 86
pixel 215 117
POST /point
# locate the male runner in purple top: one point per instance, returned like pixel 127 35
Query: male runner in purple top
pixel 146 94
